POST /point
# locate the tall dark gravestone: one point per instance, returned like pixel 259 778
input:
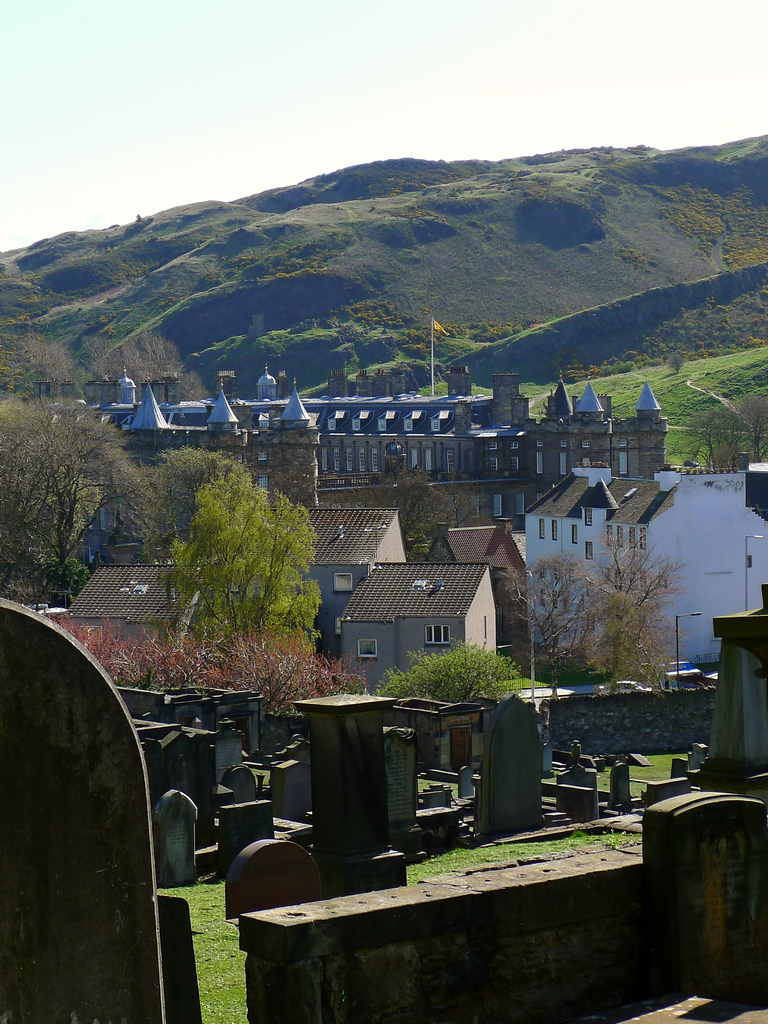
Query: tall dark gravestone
pixel 350 818
pixel 401 749
pixel 511 771
pixel 78 910
pixel 705 861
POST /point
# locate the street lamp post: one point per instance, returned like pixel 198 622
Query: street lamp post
pixel 747 539
pixel 685 615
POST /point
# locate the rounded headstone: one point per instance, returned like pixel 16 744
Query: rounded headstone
pixel 270 873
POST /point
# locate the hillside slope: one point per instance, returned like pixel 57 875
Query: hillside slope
pixel 343 269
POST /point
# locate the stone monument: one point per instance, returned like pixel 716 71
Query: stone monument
pixel 173 820
pixel 290 783
pixel 270 873
pixel 400 756
pixel 239 826
pixel 705 862
pixel 349 795
pixel 78 910
pixel 510 785
pixel 737 761
pixel 241 780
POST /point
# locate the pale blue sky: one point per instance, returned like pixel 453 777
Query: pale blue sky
pixel 133 106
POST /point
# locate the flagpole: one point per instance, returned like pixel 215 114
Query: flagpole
pixel 432 320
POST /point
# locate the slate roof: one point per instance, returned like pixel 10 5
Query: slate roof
pixel 221 413
pixel 148 415
pixel 389 593
pixel 627 501
pixel 360 540
pixel 647 402
pixel 489 544
pixel 135 593
pixel 589 402
pixel 563 404
pixel 295 411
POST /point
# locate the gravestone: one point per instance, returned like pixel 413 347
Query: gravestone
pixel 270 873
pixel 185 761
pixel 679 768
pixel 620 796
pixel 664 789
pixel 242 782
pixel 466 789
pixel 511 770
pixel 239 826
pixel 697 756
pixel 173 820
pixel 291 785
pixel 705 866
pixel 350 819
pixel 577 802
pixel 436 796
pixel 182 994
pixel 78 912
pixel 577 774
pixel 229 747
pixel 400 756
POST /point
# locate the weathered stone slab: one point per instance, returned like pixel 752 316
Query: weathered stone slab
pixel 239 826
pixel 291 785
pixel 400 757
pixel 511 770
pixel 620 796
pixel 578 802
pixel 182 995
pixel 78 912
pixel 173 820
pixel 663 789
pixel 229 747
pixel 705 861
pixel 270 873
pixel 242 782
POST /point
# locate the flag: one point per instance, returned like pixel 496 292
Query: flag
pixel 437 327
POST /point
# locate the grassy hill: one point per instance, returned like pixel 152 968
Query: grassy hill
pixel 558 261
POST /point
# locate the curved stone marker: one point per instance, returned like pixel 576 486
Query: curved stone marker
pixel 78 910
pixel 173 820
pixel 511 771
pixel 267 874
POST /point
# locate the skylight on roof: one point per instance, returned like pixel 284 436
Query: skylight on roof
pixel 630 492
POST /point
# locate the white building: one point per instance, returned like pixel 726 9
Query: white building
pixel 714 524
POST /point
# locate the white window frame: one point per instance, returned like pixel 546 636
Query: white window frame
pixel 514 462
pixel 408 424
pixel 493 445
pixel 330 423
pixel 513 446
pixel 428 460
pixel 497 506
pixel 435 423
pixel 585 443
pixel 361 460
pixel 539 462
pixel 574 533
pixel 587 516
pixel 337 459
pixel 349 460
pixel 382 423
pixel 437 634
pixel 374 460
pixel 563 463
pixel 450 460
pixel 563 444
pixel 414 458
pixel 623 464
pixel 340 585
pixel 323 460
pixel 367 649
pixel 262 481
pixel 337 625
pixel 542 529
pixel 261 456
pixel 643 538
pixel 493 464
pixel 519 503
pixel 554 529
pixel 623 442
pixel 589 552
pixel 356 423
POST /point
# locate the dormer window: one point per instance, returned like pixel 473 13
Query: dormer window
pixel 356 423
pixel 493 446
pixel 513 445
pixel 435 424
pixel 331 423
pixel 585 443
pixel 408 424
pixel 382 423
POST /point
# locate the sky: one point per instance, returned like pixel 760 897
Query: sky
pixel 133 106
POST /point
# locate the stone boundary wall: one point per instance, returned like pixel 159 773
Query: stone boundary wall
pixel 276 731
pixel 541 942
pixel 667 720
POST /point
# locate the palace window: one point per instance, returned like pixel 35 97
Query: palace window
pixel 361 460
pixel 587 516
pixel 497 509
pixel 374 460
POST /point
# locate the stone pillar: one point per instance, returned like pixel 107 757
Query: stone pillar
pixel 506 386
pixel 350 818
pixel 459 380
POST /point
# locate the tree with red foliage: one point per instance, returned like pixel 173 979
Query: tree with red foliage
pixel 283 668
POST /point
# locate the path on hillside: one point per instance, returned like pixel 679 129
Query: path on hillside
pixel 717 250
pixel 713 394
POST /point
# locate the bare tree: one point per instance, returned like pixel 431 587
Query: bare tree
pixel 553 597
pixel 39 359
pixel 629 588
pixel 676 360
pixel 753 414
pixel 148 357
pixel 720 434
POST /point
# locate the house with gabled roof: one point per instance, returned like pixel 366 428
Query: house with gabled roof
pixel 350 542
pixel 495 546
pixel 130 598
pixel 418 606
pixel 714 525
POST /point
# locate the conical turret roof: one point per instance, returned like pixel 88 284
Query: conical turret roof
pixel 647 401
pixel 589 402
pixel 295 411
pixel 221 413
pixel 148 415
pixel 563 404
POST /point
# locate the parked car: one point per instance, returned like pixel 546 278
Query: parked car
pixel 690 677
pixel 625 686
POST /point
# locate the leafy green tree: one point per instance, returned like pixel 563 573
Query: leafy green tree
pixel 170 490
pixel 244 565
pixel 464 673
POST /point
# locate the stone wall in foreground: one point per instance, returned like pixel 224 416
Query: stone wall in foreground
pixel 669 720
pixel 533 944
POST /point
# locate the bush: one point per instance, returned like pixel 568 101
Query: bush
pixel 463 673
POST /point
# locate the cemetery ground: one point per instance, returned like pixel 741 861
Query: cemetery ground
pixel 221 965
